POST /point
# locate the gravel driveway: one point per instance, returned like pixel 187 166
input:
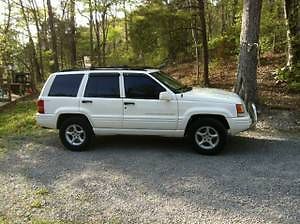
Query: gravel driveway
pixel 152 180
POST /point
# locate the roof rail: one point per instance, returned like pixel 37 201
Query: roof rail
pixel 72 69
pixel 123 67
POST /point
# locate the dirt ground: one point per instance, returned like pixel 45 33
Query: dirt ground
pixel 152 180
pixel 273 94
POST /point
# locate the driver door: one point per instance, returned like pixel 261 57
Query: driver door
pixel 142 107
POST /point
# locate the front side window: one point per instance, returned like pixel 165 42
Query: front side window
pixel 103 85
pixel 140 86
pixel 65 85
pixel 170 82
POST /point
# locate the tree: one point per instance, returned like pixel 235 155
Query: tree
pixel 104 28
pixel 53 37
pixel 91 24
pixel 125 23
pixel 158 35
pixel 204 42
pixel 234 10
pixel 36 17
pixel 36 73
pixel 102 8
pixel 292 16
pixel 72 33
pixel 5 39
pixel 246 85
pixel 223 22
pixel 194 32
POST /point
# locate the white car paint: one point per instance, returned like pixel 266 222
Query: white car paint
pixel 146 117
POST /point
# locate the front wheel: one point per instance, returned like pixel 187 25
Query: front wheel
pixel 75 134
pixel 208 136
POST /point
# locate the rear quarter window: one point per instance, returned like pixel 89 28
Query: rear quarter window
pixel 65 85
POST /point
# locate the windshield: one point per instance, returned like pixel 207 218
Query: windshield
pixel 170 82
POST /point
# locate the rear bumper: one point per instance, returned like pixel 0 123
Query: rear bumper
pixel 46 120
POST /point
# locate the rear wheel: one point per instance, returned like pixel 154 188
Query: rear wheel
pixel 208 136
pixel 76 134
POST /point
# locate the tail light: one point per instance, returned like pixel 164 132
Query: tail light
pixel 40 106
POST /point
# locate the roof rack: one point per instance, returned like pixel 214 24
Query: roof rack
pixel 124 67
pixel 73 69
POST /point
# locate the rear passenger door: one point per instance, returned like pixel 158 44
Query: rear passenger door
pixel 101 100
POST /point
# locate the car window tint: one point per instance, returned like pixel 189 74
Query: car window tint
pixel 103 85
pixel 66 85
pixel 140 86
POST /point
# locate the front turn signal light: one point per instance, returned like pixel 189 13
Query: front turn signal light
pixel 240 109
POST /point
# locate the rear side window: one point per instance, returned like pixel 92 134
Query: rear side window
pixel 66 85
pixel 140 86
pixel 103 85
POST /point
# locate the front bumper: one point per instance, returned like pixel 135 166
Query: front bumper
pixel 239 124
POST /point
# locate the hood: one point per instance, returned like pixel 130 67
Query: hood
pixel 212 95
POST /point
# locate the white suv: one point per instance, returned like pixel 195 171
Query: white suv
pixel 117 101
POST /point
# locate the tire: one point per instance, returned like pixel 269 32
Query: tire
pixel 76 134
pixel 208 136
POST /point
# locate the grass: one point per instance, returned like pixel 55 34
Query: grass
pixel 18 119
pixel 111 221
pixel 42 191
pixel 50 222
pixel 3 220
pixel 17 123
pixel 36 204
pixel 3 149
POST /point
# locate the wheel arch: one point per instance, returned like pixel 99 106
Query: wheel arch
pixel 62 117
pixel 217 117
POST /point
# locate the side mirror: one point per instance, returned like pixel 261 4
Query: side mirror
pixel 165 96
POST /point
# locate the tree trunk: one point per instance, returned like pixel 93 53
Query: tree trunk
pixel 204 42
pixel 98 38
pixel 223 24
pixel 44 27
pixel 209 22
pixel 53 37
pixel 104 27
pixel 91 33
pixel 125 24
pixel 234 10
pixel 35 62
pixel 292 17
pixel 5 56
pixel 39 38
pixel 72 33
pixel 246 85
pixel 195 39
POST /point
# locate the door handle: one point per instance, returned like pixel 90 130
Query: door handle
pixel 129 103
pixel 86 101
